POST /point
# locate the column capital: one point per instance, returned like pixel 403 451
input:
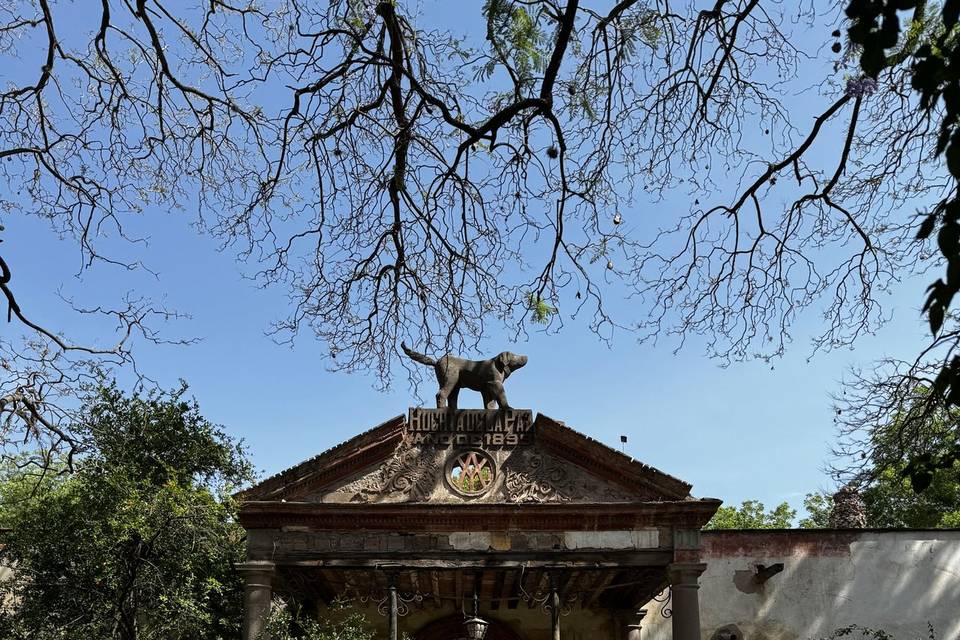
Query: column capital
pixel 256 565
pixel 256 568
pixel 685 573
pixel 686 604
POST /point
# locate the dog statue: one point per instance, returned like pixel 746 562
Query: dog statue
pixel 485 376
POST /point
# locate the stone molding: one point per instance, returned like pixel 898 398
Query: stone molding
pixel 257 573
pixel 685 575
pixel 477 516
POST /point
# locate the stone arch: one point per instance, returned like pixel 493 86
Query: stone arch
pixel 451 627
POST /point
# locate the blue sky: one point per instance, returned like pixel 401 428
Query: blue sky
pixel 748 431
pixel 752 430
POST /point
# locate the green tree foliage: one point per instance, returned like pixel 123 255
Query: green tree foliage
pixel 818 506
pixel 139 543
pixel 752 515
pixel 892 502
pixel 900 493
pixel 287 624
pixel 877 27
pixel 891 497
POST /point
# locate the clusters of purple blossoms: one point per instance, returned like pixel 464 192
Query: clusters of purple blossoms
pixel 862 86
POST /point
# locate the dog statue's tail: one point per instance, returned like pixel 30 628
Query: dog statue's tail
pixel 419 357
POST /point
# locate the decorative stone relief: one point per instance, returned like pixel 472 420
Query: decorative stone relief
pixel 409 475
pixel 415 473
pixel 533 477
pixel 533 480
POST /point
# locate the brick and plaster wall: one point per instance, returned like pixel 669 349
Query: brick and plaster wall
pixel 897 581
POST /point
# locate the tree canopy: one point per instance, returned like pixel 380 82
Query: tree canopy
pixel 404 179
pixel 889 490
pixel 886 34
pixel 752 515
pixel 139 542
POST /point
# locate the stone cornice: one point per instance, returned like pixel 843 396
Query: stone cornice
pixel 413 517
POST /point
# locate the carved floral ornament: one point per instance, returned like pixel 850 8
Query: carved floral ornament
pixel 424 474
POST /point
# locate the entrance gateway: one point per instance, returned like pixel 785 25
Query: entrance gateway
pixel 432 517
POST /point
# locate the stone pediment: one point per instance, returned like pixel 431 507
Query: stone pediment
pixel 470 456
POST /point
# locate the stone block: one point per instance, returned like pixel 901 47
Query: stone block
pixel 470 540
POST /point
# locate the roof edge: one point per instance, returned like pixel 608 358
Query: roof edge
pixel 350 455
pixel 605 460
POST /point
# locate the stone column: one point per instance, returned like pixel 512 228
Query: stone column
pixel 685 599
pixel 393 624
pixel 554 605
pixel 631 622
pixel 258 594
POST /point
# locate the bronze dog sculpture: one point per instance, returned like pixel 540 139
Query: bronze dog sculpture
pixel 485 376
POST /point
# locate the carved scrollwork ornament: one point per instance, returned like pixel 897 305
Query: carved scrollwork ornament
pixel 534 480
pixel 408 475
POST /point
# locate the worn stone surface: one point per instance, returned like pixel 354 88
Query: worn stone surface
pixel 640 539
pixel 686 539
pixel 890 580
pixel 268 544
pixel 848 510
pixel 521 475
pixel 403 461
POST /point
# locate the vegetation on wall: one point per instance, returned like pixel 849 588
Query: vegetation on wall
pixel 859 632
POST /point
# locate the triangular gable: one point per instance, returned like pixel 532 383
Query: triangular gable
pixel 606 462
pixel 388 464
pixel 368 448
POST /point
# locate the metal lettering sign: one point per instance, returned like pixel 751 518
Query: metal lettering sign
pixel 470 427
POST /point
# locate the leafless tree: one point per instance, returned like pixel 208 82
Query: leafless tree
pixel 403 182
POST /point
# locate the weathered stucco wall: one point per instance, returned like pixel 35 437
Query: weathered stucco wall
pixel 893 580
pixel 897 581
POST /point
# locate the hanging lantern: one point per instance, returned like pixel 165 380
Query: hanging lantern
pixel 476 628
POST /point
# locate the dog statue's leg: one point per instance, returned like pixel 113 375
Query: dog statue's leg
pixel 500 394
pixel 489 401
pixel 452 398
pixel 444 394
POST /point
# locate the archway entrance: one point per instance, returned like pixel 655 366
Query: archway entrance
pixel 451 628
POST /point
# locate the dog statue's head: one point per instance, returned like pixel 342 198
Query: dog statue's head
pixel 507 363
